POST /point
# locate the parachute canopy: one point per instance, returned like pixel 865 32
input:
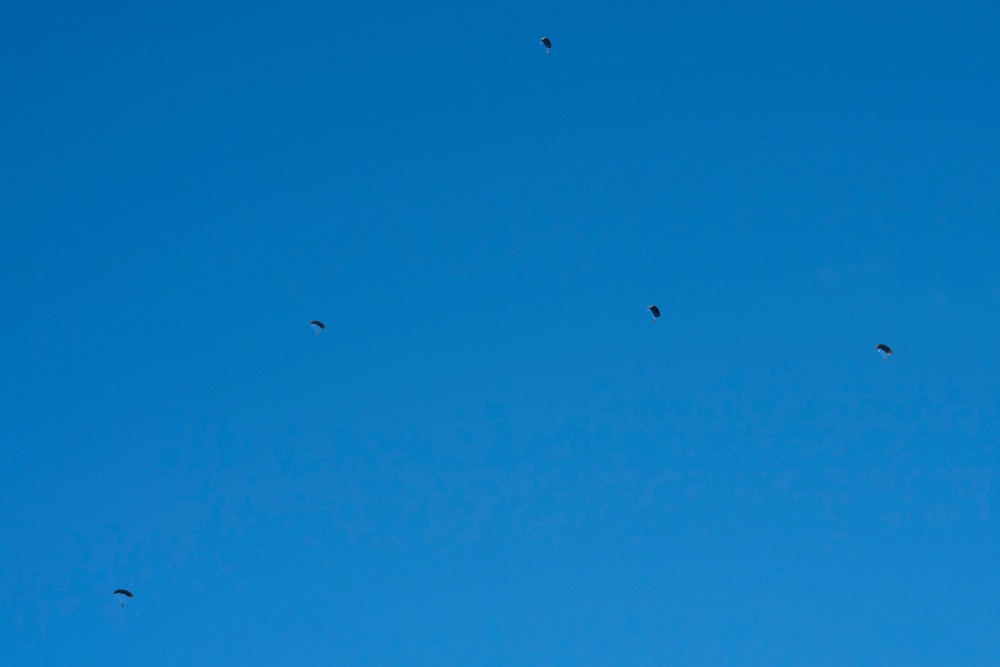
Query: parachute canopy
pixel 884 350
pixel 547 43
pixel 122 591
pixel 318 324
pixel 654 310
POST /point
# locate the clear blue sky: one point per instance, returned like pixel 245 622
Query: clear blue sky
pixel 492 456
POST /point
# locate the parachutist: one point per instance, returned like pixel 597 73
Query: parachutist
pixel 122 591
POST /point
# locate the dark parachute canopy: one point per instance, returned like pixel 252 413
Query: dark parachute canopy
pixel 122 591
pixel 547 43
pixel 317 326
pixel 884 350
pixel 655 311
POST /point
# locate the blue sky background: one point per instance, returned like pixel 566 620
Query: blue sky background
pixel 492 456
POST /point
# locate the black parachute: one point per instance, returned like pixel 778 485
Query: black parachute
pixel 122 591
pixel 317 326
pixel 547 43
pixel 884 350
pixel 655 311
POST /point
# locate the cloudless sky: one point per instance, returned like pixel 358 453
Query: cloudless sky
pixel 492 456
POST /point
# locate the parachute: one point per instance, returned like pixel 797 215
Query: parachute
pixel 122 591
pixel 884 350
pixel 547 43
pixel 317 326
pixel 655 311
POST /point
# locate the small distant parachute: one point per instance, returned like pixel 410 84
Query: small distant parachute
pixel 884 350
pixel 547 43
pixel 122 591
pixel 655 311
pixel 317 326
